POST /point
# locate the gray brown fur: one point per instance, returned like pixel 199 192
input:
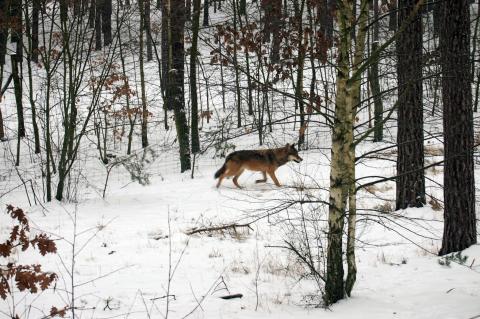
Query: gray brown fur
pixel 265 161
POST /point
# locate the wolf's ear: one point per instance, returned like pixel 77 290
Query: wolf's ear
pixel 293 145
pixel 288 145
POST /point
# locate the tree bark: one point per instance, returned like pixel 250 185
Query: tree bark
pixel 176 75
pixel 142 76
pixel 410 183
pixel 193 76
pixel 375 82
pixel 459 185
pixel 107 22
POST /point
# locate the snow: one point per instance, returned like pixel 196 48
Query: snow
pixel 127 242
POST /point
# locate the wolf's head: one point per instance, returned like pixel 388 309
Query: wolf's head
pixel 293 153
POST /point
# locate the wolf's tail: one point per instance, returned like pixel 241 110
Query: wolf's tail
pixel 221 170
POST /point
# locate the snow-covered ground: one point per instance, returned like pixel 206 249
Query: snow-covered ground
pixel 129 244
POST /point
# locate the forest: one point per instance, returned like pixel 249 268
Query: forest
pixel 133 134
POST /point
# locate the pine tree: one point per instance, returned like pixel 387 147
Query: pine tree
pixel 459 185
pixel 410 183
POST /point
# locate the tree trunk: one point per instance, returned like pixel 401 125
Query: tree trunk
pixel 410 183
pixel 276 28
pixel 17 84
pixel 176 75
pixel 342 174
pixel 375 82
pixel 142 76
pixel 193 76
pixel 235 63
pixel 98 24
pixel 393 15
pixel 34 33
pixel 107 22
pixel 459 186
pixel 148 30
pixel 206 5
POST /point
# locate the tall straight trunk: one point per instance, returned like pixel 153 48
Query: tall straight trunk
pixel 375 81
pixel 16 21
pixel 334 286
pixel 188 9
pixel 299 81
pixel 92 14
pixel 98 24
pixel 392 7
pixel 249 80
pixel 29 29
pixel 206 5
pixel 17 84
pixel 342 173
pixel 235 63
pixel 131 118
pixel 176 74
pixel 4 16
pixel 107 22
pixel 167 104
pixel 142 76
pixel 410 183
pixel 276 29
pixel 459 183
pixel 34 33
pixel 193 76
pixel 148 30
pixel 243 7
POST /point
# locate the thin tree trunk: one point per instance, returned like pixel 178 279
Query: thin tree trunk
pixel 148 30
pixel 142 76
pixel 193 76
pixel 107 22
pixel 206 5
pixel 34 33
pixel 176 74
pixel 235 65
pixel 98 24
pixel 375 81
pixel 17 84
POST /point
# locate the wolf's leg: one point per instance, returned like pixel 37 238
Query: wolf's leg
pixel 274 178
pixel 220 180
pixel 235 179
pixel 264 178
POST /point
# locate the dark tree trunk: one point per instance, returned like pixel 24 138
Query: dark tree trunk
pixel 148 30
pixel 243 7
pixel 392 6
pixel 3 31
pixel 437 18
pixel 459 186
pixel 188 9
pixel 176 75
pixel 165 55
pixel 410 183
pixel 16 21
pixel 206 5
pixel 107 22
pixel 141 4
pixel 193 76
pixel 276 29
pixel 98 24
pixel 17 84
pixel 34 35
pixel 374 81
pixel 91 14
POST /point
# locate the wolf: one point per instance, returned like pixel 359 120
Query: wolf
pixel 265 161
